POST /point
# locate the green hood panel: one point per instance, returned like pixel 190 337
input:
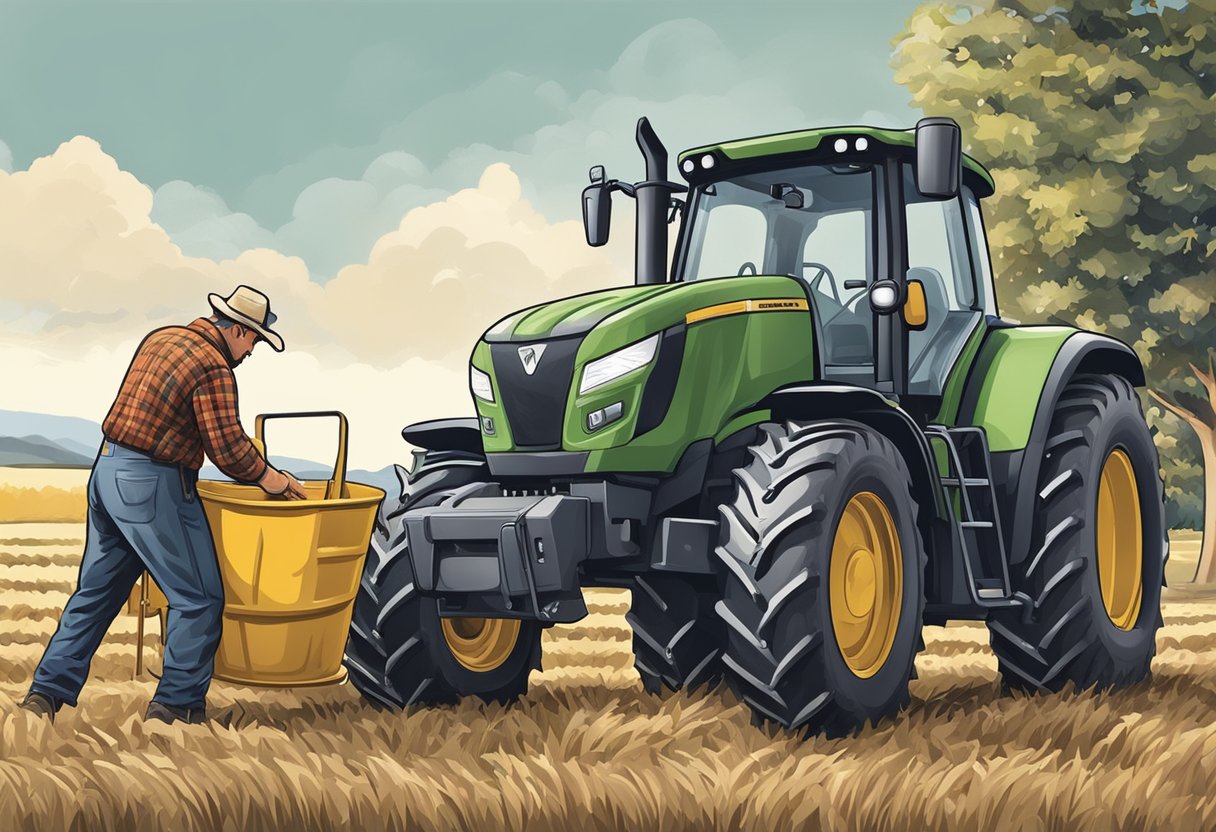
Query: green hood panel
pixel 706 380
pixel 641 310
pixel 570 316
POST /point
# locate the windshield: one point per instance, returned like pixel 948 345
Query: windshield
pixel 814 223
pixel 765 222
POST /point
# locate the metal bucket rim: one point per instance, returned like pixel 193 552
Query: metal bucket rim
pixel 372 498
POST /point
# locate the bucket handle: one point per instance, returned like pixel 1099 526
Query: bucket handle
pixel 333 489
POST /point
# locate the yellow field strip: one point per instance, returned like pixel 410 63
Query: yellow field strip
pixel 10 559
pixel 19 543
pixel 51 574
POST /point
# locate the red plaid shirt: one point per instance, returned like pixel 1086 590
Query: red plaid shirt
pixel 178 399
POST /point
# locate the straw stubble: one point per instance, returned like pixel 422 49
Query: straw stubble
pixel 587 749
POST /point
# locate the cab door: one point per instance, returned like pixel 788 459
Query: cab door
pixel 940 255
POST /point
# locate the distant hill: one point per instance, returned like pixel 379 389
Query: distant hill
pixel 72 432
pixel 39 440
pixel 57 440
pixel 39 452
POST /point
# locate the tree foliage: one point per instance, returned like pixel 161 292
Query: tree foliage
pixel 1098 123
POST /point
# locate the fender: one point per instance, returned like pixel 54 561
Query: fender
pixel 814 400
pixel 1037 363
pixel 462 434
pixel 944 587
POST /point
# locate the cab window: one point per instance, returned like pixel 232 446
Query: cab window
pixel 940 257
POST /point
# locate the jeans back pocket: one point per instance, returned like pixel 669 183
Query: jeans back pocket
pixel 136 498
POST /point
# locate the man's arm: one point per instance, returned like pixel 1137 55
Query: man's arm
pixel 224 440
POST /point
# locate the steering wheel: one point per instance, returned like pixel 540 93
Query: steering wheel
pixel 743 269
pixel 824 271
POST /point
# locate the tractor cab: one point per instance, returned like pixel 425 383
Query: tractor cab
pixel 895 269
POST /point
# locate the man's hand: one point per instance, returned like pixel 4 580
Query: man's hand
pixel 281 484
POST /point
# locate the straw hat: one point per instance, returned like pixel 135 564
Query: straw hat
pixel 250 307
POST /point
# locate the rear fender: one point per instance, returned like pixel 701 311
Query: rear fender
pixel 1037 363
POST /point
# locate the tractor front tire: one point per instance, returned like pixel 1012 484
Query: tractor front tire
pixel 823 568
pixel 677 637
pixel 1095 567
pixel 400 651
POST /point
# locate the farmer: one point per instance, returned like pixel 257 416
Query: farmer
pixel 177 400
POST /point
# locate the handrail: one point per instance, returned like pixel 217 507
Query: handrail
pixel 333 489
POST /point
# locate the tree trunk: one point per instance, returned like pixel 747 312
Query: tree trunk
pixel 1206 572
pixel 1201 416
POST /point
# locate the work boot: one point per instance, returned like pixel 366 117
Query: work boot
pixel 171 714
pixel 41 704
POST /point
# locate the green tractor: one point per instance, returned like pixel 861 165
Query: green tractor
pixel 807 439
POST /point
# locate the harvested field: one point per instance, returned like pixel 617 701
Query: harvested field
pixel 587 749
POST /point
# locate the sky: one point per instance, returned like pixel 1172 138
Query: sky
pixel 395 177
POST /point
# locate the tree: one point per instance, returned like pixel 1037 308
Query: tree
pixel 1098 122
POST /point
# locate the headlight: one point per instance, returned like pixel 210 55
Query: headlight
pixel 479 382
pixel 616 364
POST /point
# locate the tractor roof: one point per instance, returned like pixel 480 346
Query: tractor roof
pixel 800 141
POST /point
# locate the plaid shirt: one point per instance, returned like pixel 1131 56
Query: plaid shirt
pixel 178 399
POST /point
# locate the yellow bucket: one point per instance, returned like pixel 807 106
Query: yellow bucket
pixel 291 570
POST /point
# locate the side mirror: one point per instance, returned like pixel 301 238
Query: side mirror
pixel 939 157
pixel 597 212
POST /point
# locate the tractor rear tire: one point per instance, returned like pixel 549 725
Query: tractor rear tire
pixel 677 637
pixel 400 652
pixel 1098 503
pixel 824 577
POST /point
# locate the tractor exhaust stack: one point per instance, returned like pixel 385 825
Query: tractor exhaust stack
pixel 653 196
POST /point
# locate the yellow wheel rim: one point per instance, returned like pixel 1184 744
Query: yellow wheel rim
pixel 866 578
pixel 1120 541
pixel 480 644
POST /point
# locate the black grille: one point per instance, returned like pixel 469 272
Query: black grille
pixel 535 404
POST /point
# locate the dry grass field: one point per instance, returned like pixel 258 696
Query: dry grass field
pixel 43 494
pixel 587 749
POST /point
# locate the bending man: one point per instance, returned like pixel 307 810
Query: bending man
pixel 177 401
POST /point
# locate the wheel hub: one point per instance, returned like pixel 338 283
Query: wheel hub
pixel 866 583
pixel 480 644
pixel 1120 542
pixel 859 587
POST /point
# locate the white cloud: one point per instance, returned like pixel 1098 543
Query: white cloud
pixel 334 221
pixel 82 260
pixel 87 274
pixel 452 268
pixel 200 222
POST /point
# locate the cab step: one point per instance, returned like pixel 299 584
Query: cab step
pixel 972 503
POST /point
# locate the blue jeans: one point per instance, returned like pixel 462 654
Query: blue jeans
pixel 143 514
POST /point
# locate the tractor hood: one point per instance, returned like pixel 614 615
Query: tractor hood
pixel 655 307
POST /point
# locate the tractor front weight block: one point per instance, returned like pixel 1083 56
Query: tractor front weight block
pixel 509 557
